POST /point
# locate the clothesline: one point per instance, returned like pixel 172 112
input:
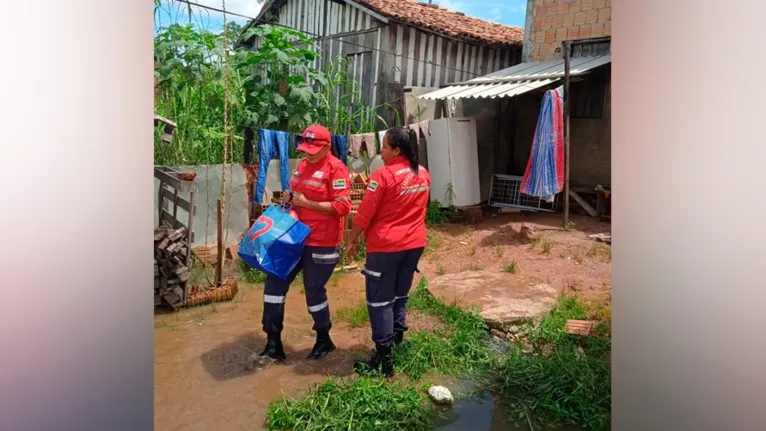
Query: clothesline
pixel 358 143
pixel 274 144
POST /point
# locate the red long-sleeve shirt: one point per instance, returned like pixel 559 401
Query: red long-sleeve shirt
pixel 325 181
pixel 393 210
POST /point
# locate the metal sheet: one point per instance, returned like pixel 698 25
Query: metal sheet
pixel 526 77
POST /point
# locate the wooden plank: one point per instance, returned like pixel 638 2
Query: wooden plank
pixel 167 217
pixel 439 49
pixel 368 11
pixel 429 62
pixel 399 48
pixel 180 201
pixel 421 42
pixel 170 177
pixel 410 76
pixel 585 205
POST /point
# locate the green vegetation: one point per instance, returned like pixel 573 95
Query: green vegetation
pixel 563 381
pixel 458 347
pixel 273 86
pixel 511 268
pixel 356 316
pixel 362 404
pixel 436 215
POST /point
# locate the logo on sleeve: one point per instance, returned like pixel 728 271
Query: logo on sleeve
pixel 373 186
pixel 297 173
pixel 318 175
pixel 339 184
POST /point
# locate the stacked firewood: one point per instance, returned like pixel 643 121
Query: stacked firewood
pixel 170 271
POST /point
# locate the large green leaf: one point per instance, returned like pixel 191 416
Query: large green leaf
pixel 302 93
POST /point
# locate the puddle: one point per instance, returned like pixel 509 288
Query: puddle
pixel 476 411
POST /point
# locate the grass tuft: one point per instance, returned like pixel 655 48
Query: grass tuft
pixel 511 268
pixel 356 316
pixel 457 347
pixel 363 404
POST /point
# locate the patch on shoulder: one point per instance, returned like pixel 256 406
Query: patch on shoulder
pixel 373 186
pixel 339 184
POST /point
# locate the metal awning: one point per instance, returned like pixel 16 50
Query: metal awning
pixel 518 79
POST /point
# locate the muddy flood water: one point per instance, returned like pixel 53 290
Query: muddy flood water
pixel 201 376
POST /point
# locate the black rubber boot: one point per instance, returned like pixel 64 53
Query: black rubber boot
pixel 381 362
pixel 274 349
pixel 322 347
pixel 399 338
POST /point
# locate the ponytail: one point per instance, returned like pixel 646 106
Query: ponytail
pixel 406 141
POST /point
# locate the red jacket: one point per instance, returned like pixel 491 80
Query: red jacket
pixel 325 181
pixel 393 210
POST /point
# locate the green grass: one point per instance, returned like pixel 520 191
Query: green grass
pixel 564 381
pixel 356 317
pixel 362 404
pixel 457 347
pixel 253 276
pixel 511 268
pixel 559 389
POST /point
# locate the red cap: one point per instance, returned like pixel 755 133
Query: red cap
pixel 314 139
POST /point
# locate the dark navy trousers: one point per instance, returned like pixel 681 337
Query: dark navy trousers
pixel 317 265
pixel 388 282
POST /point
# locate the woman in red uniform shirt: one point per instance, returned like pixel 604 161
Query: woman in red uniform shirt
pixel 393 217
pixel 321 195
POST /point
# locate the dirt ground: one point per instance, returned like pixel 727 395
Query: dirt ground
pixel 200 355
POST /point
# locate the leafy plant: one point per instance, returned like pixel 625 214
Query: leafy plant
pixel 363 404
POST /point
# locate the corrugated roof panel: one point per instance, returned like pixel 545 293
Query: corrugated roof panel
pixel 535 75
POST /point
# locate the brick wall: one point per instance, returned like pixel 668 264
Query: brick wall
pixel 554 21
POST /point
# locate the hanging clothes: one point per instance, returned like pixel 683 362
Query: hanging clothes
pixel 364 142
pixel 272 144
pixel 340 148
pixel 544 176
pixel 422 128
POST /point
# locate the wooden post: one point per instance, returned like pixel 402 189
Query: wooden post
pixel 219 262
pixel 566 47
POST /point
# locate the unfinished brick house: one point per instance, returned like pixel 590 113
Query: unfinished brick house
pixel 551 22
pixel 506 103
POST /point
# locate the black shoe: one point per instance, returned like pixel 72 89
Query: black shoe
pixel 274 349
pixel 322 347
pixel 381 362
pixel 399 338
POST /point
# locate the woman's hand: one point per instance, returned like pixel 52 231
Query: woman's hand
pixel 351 252
pixel 299 200
pixel 287 197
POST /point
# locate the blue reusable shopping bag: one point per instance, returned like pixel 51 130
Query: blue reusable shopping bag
pixel 274 244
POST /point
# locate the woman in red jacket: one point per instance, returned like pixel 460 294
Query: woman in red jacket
pixel 321 195
pixel 392 216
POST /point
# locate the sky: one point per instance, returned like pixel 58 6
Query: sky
pixel 509 12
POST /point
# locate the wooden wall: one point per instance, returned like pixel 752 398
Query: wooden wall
pixel 386 56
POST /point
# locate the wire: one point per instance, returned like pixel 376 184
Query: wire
pixel 319 37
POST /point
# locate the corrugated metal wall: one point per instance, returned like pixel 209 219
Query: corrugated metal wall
pixel 385 58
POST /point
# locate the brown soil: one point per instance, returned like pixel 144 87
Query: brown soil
pixel 201 355
pixel 574 263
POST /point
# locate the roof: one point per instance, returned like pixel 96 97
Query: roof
pixel 518 79
pixel 448 23
pixel 437 19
